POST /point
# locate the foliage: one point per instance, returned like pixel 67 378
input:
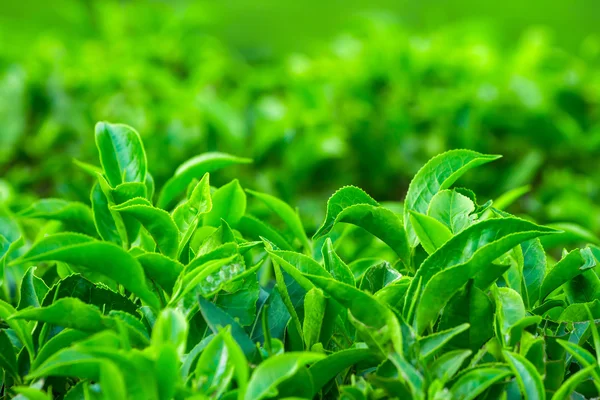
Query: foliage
pixel 368 108
pixel 200 299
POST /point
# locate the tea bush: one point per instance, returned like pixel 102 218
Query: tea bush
pixel 181 290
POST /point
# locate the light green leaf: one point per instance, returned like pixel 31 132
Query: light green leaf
pixel 447 365
pixel 530 382
pixel 345 197
pixel 452 209
pixel 315 305
pixel 476 381
pixel 438 174
pixel 214 370
pixel 64 339
pixel 432 233
pixel 334 264
pixel 229 204
pixel 275 370
pixel 194 168
pixel 569 386
pixel 122 153
pixel 171 328
pixel 286 213
pixel 33 290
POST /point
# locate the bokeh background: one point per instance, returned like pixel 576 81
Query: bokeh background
pixel 320 94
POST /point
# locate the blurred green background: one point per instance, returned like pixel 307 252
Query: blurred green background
pixel 319 94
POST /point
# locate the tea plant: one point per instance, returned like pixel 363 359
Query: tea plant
pixel 182 293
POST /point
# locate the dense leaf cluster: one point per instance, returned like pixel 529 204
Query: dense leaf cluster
pixel 368 109
pixel 179 292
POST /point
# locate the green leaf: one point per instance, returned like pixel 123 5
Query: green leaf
pixel 438 174
pixel 252 227
pixel 326 369
pixel 282 288
pixel 158 222
pixel 287 214
pixel 229 204
pixel 78 360
pixel 453 209
pixel 345 197
pixel 508 198
pixel 275 370
pixel 410 375
pixel 194 168
pixel 90 255
pixel 365 308
pixel 473 383
pixel 432 233
pixel 315 305
pixel 462 257
pixel 31 393
pixel 530 382
pixel 334 264
pixel 214 371
pixel 171 328
pixel 297 265
pixel 21 329
pixel 63 339
pixel 378 277
pixel 187 215
pixel 584 288
pixel 68 313
pixel 96 294
pixel 8 357
pixel 208 280
pixel 76 217
pixel 431 344
pixel 240 303
pixel 381 223
pixel 217 318
pixel 583 357
pixel 103 217
pixel 569 386
pixel 112 381
pixel 33 290
pixel 122 153
pixel 509 310
pixel 471 306
pixel 534 269
pixel 161 269
pixel 447 365
pixel 570 266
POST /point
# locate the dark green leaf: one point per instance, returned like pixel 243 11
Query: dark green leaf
pixel 90 255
